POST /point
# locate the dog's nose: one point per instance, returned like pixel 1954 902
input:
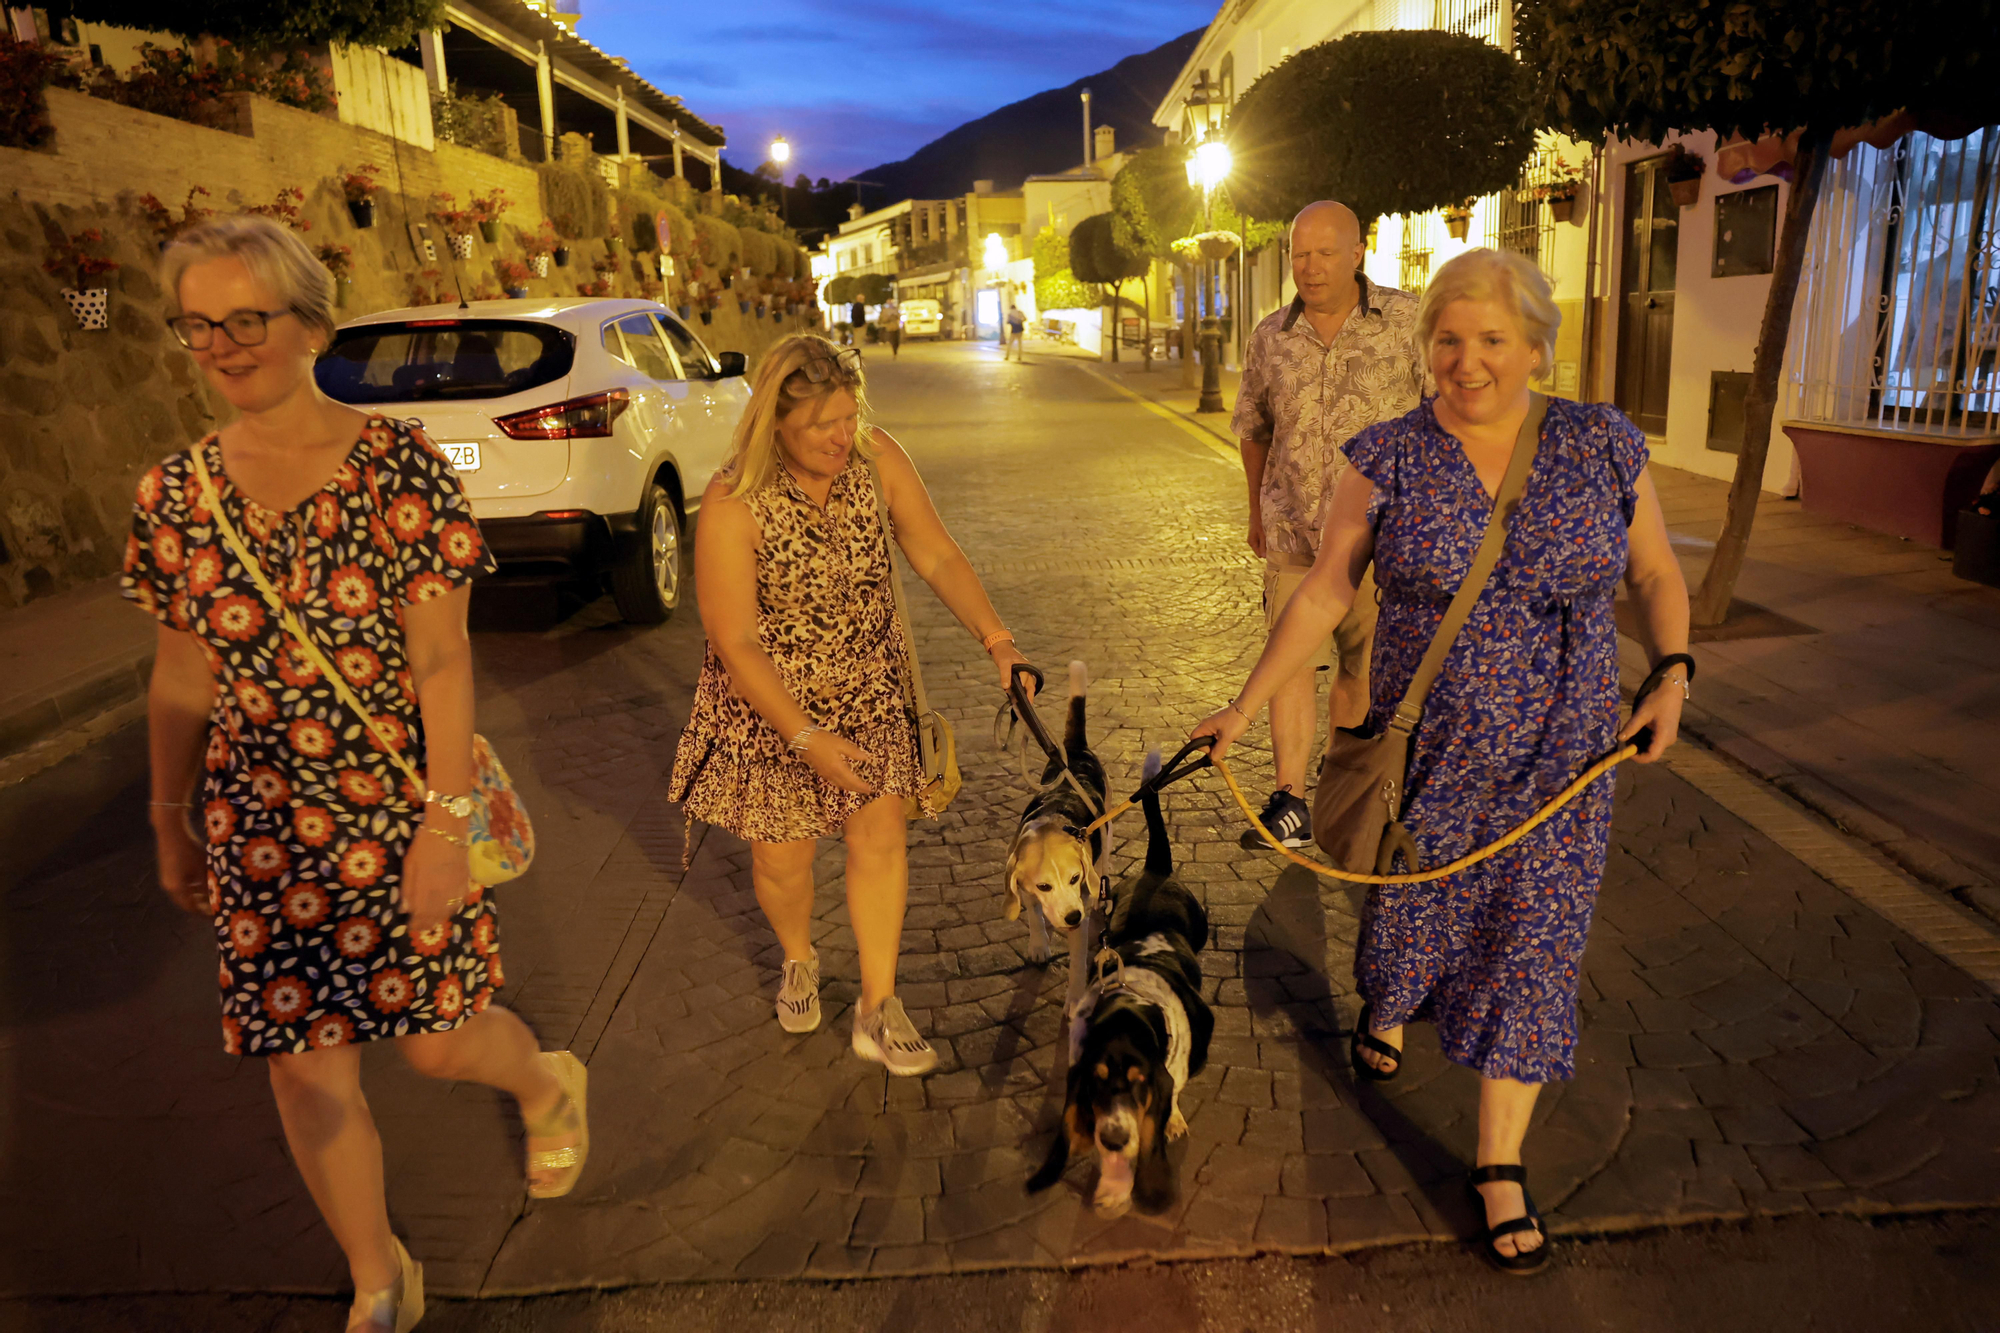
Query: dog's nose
pixel 1072 918
pixel 1114 1137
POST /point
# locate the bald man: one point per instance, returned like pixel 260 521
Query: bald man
pixel 1340 357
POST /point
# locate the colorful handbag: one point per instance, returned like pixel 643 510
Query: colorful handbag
pixel 500 840
pixel 936 744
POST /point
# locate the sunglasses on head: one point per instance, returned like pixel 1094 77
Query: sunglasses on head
pixel 845 363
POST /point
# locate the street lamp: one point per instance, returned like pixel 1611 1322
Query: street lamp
pixel 1208 166
pixel 781 153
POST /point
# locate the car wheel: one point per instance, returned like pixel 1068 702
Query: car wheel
pixel 646 577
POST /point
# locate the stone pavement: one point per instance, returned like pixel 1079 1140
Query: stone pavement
pixel 1755 1040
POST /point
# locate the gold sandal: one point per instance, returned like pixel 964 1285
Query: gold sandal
pixel 396 1307
pixel 574 1078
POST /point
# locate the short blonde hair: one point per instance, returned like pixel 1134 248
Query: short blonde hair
pixel 1496 275
pixel 272 252
pixel 777 391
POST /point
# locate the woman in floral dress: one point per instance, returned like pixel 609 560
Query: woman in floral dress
pixel 341 898
pixel 1528 698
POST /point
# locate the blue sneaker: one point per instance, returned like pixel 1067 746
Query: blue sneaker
pixel 1288 818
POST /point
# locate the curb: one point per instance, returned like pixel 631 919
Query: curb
pixel 32 728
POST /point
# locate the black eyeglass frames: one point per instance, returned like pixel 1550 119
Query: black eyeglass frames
pixel 245 328
pixel 846 362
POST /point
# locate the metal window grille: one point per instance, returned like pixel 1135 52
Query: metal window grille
pixel 1516 218
pixel 1901 290
pixel 1419 241
pixel 1484 19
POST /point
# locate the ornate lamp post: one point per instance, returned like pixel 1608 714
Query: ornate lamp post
pixel 781 153
pixel 1209 167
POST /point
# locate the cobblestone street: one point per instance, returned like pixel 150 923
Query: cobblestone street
pixel 1756 1040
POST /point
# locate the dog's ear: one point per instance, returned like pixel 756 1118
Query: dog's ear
pixel 1153 1179
pixel 1013 890
pixel 1057 1161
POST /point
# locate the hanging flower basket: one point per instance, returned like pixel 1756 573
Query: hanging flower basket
pixel 489 231
pixel 707 317
pixel 1216 244
pixel 742 307
pixel 611 245
pixel 461 245
pixel 342 289
pixel 562 256
pixel 1686 193
pixel 362 211
pixel 91 306
pixel 518 293
pixel 1562 209
pixel 540 264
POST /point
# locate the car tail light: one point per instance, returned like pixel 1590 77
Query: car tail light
pixel 585 418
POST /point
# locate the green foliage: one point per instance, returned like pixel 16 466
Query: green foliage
pixel 760 252
pixel 1256 234
pixel 173 82
pixel 1056 288
pixel 840 290
pixel 874 288
pixel 1644 71
pixel 26 68
pixel 1386 122
pixel 473 120
pixel 1095 255
pixel 260 23
pixel 718 244
pixel 1152 203
pixel 578 202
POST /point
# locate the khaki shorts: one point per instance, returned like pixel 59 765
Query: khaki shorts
pixel 1349 644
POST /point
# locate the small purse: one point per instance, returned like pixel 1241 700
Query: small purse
pixel 936 745
pixel 500 839
pixel 1357 817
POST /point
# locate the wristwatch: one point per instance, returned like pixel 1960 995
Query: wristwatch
pixel 458 807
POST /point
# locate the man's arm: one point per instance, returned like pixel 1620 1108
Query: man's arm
pixel 1251 423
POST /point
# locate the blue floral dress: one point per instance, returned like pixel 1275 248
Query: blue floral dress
pixel 1528 698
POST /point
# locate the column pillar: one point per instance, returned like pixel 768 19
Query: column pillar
pixel 545 93
pixel 624 127
pixel 678 173
pixel 430 45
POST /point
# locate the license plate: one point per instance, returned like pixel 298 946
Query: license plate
pixel 464 457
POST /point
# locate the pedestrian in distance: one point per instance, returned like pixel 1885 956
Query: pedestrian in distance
pixel 1342 356
pixel 1017 327
pixel 342 900
pixel 799 729
pixel 889 319
pixel 1526 700
pixel 857 320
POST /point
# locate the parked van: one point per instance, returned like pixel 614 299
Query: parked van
pixel 922 319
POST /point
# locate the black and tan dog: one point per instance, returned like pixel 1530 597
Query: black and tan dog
pixel 1142 1031
pixel 1051 866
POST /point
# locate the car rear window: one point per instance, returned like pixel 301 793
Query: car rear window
pixel 443 359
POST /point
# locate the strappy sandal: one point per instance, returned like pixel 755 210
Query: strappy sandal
pixel 1515 1265
pixel 569 1117
pixel 1365 1039
pixel 397 1307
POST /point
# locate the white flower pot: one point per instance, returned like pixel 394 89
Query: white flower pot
pixel 461 245
pixel 90 306
pixel 540 265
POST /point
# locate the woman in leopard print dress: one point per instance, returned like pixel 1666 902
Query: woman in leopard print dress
pixel 799 729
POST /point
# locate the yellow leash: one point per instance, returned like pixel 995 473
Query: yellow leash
pixel 1542 816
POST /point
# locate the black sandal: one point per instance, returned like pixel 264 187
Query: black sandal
pixel 1364 1037
pixel 1515 1265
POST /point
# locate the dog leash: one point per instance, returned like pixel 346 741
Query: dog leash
pixel 1637 745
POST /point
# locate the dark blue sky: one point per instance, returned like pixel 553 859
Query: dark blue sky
pixel 852 84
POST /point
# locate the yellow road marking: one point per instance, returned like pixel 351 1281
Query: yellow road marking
pixel 1200 433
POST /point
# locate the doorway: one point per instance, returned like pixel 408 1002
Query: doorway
pixel 1646 278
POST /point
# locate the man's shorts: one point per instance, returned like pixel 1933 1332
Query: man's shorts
pixel 1348 646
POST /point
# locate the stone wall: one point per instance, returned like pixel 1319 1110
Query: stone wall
pixel 84 413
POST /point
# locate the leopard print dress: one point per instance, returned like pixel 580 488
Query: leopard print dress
pixel 826 614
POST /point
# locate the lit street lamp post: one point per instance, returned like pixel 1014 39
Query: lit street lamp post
pixel 1208 168
pixel 781 153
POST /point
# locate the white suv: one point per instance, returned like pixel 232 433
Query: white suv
pixel 584 430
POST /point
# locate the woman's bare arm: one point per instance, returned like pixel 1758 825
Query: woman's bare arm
pixel 1660 596
pixel 440 656
pixel 178 703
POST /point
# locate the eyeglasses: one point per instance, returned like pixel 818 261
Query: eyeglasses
pixel 845 363
pixel 246 328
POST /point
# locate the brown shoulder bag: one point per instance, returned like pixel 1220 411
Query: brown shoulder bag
pixel 1358 802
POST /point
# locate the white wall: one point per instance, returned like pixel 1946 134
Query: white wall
pixel 381 93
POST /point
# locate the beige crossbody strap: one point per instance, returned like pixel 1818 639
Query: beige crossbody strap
pixel 293 624
pixel 913 689
pixel 1411 710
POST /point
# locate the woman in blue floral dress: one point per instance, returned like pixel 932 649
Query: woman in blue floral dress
pixel 1528 698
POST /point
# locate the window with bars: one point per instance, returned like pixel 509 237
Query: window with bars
pixel 1419 241
pixel 1901 290
pixel 1516 219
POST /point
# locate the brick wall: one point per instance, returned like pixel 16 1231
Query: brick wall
pixel 84 413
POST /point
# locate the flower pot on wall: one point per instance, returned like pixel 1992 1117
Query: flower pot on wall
pixel 342 289
pixel 540 264
pixel 461 245
pixel 742 307
pixel 562 256
pixel 1685 192
pixel 683 310
pixel 91 306
pixel 489 232
pixel 1561 209
pixel 517 293
pixel 611 245
pixel 1456 227
pixel 362 211
pixel 707 317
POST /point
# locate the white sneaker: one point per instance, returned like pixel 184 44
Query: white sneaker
pixel 798 995
pixel 889 1039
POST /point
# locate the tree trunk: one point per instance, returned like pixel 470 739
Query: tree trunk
pixel 1146 295
pixel 1117 311
pixel 1718 585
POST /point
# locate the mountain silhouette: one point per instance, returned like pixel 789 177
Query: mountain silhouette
pixel 1037 135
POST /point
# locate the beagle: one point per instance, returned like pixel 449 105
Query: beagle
pixel 1139 1033
pixel 1051 866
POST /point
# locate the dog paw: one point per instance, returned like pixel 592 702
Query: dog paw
pixel 1176 1125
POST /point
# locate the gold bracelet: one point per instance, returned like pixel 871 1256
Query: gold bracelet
pixel 1232 707
pixel 451 838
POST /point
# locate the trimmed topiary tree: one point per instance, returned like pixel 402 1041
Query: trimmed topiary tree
pixel 1056 288
pixel 1609 67
pixel 839 291
pixel 874 288
pixel 1096 257
pixel 1385 122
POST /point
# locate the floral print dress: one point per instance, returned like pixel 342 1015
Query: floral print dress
pixel 306 821
pixel 1528 699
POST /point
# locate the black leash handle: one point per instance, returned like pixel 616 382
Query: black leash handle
pixel 1173 770
pixel 1643 738
pixel 1024 707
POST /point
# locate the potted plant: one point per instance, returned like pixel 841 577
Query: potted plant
pixel 1458 219
pixel 339 261
pixel 90 305
pixel 1217 244
pixel 162 220
pixel 285 208
pixel 360 186
pixel 1565 183
pixel 457 224
pixel 485 209
pixel 565 227
pixel 742 306
pixel 709 301
pixel 513 275
pixel 1684 171
pixel 538 246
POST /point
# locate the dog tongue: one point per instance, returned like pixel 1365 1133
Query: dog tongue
pixel 1114 1183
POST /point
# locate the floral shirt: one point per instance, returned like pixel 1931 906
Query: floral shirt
pixel 1306 400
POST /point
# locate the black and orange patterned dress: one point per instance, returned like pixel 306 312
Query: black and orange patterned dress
pixel 306 820
pixel 826 615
